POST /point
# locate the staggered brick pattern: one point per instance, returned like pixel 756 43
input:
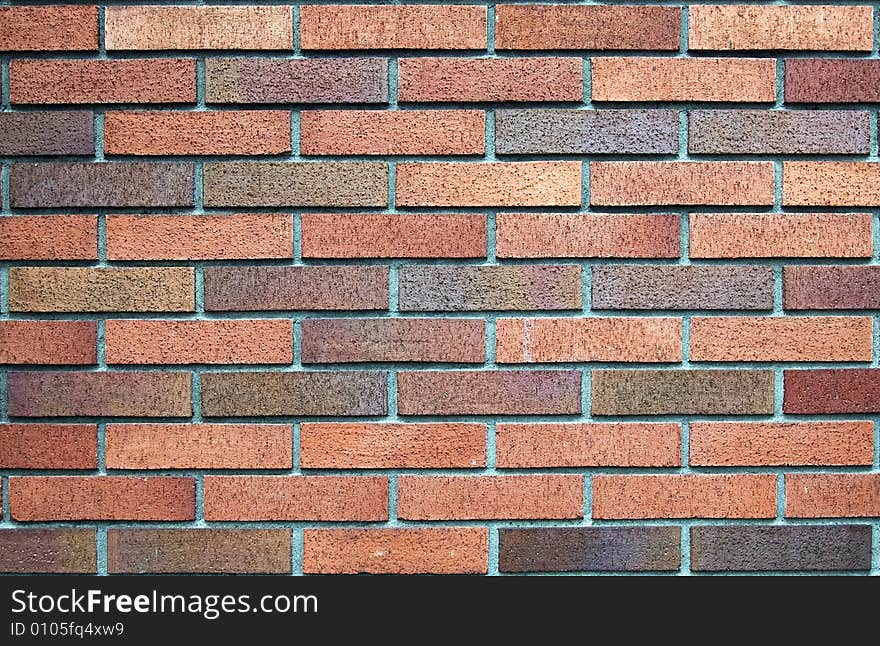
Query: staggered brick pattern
pixel 440 288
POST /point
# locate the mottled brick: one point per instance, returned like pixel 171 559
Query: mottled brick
pixel 47 133
pixel 48 551
pixel 682 287
pixel 489 392
pixel 392 446
pixel 520 287
pixel 490 497
pixel 586 549
pixel 49 28
pixel 832 80
pixel 48 446
pixel 829 495
pixel 398 339
pixel 93 185
pixel 524 446
pixel 854 390
pixel 101 289
pixel 49 237
pixel 318 498
pixel 831 184
pixel 105 394
pixel 831 287
pixel 199 551
pixel 296 288
pixel 48 342
pixel 682 392
pixel 248 394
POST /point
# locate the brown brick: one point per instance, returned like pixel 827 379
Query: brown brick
pixel 684 496
pixel 180 342
pixel 400 235
pixel 490 79
pixel 101 498
pixel 201 551
pixel 831 184
pixel 832 391
pixel 525 446
pixel 489 392
pixel 199 446
pixel 393 27
pixel 417 550
pixel 67 394
pixel 832 80
pixel 731 444
pixel 828 495
pixel 540 340
pixel 48 551
pixel 101 289
pixel 48 342
pixel 278 498
pixel 392 446
pixel 832 287
pixel 136 80
pixel 49 28
pixel 49 237
pixel 48 446
pixel 47 133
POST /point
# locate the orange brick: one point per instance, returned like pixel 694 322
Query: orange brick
pixel 539 340
pixel 831 184
pixel 490 497
pixel 393 27
pixel 524 446
pixel 649 183
pixel 48 342
pixel 401 235
pixel 490 79
pixel 593 235
pixel 150 28
pixel 49 237
pixel 177 342
pixel 69 28
pixel 199 237
pixel 320 498
pixel 782 235
pixel 748 338
pixel 555 183
pixel 395 132
pixel 226 132
pixel 442 550
pixel 684 79
pixel 684 496
pixel 392 446
pixel 730 444
pixel 815 28
pixel 816 495
pixel 199 446
pixel 102 498
pixel 48 446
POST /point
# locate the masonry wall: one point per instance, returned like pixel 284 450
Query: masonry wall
pixel 440 288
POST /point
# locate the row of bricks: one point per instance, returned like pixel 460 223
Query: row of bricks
pixel 517 27
pixel 508 497
pixel 453 288
pixel 454 80
pixel 442 184
pixel 448 392
pixel 446 550
pixel 437 132
pixel 449 340
pixel 386 445
pixel 410 235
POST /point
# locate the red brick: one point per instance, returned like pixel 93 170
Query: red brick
pixel 729 444
pixel 444 550
pixel 490 497
pixel 525 446
pixel 853 390
pixel 396 132
pixel 832 80
pixel 400 235
pixel 540 340
pixel 827 495
pixel 226 132
pixel 832 287
pixel 101 498
pixel 593 235
pixel 48 446
pixel 140 80
pixel 831 183
pixel 180 342
pixel 490 79
pixel 393 27
pixel 49 237
pixel 684 496
pixel 199 446
pixel 49 28
pixel 318 498
pixel 392 446
pixel 48 342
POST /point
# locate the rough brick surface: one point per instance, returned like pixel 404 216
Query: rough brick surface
pixel 48 446
pixel 830 184
pixel 49 28
pixel 49 237
pixel 811 495
pixel 48 551
pixel 48 342
pixel 831 287
pixel 47 133
pixel 832 391
pixel 833 80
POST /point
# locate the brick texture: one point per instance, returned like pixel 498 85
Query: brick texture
pixel 831 287
pixel 48 446
pixel 49 28
pixel 49 237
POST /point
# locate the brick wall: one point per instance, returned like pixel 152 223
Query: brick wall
pixel 440 288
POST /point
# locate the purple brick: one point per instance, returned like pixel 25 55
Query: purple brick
pixel 825 287
pixel 48 551
pixel 832 80
pixel 47 133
